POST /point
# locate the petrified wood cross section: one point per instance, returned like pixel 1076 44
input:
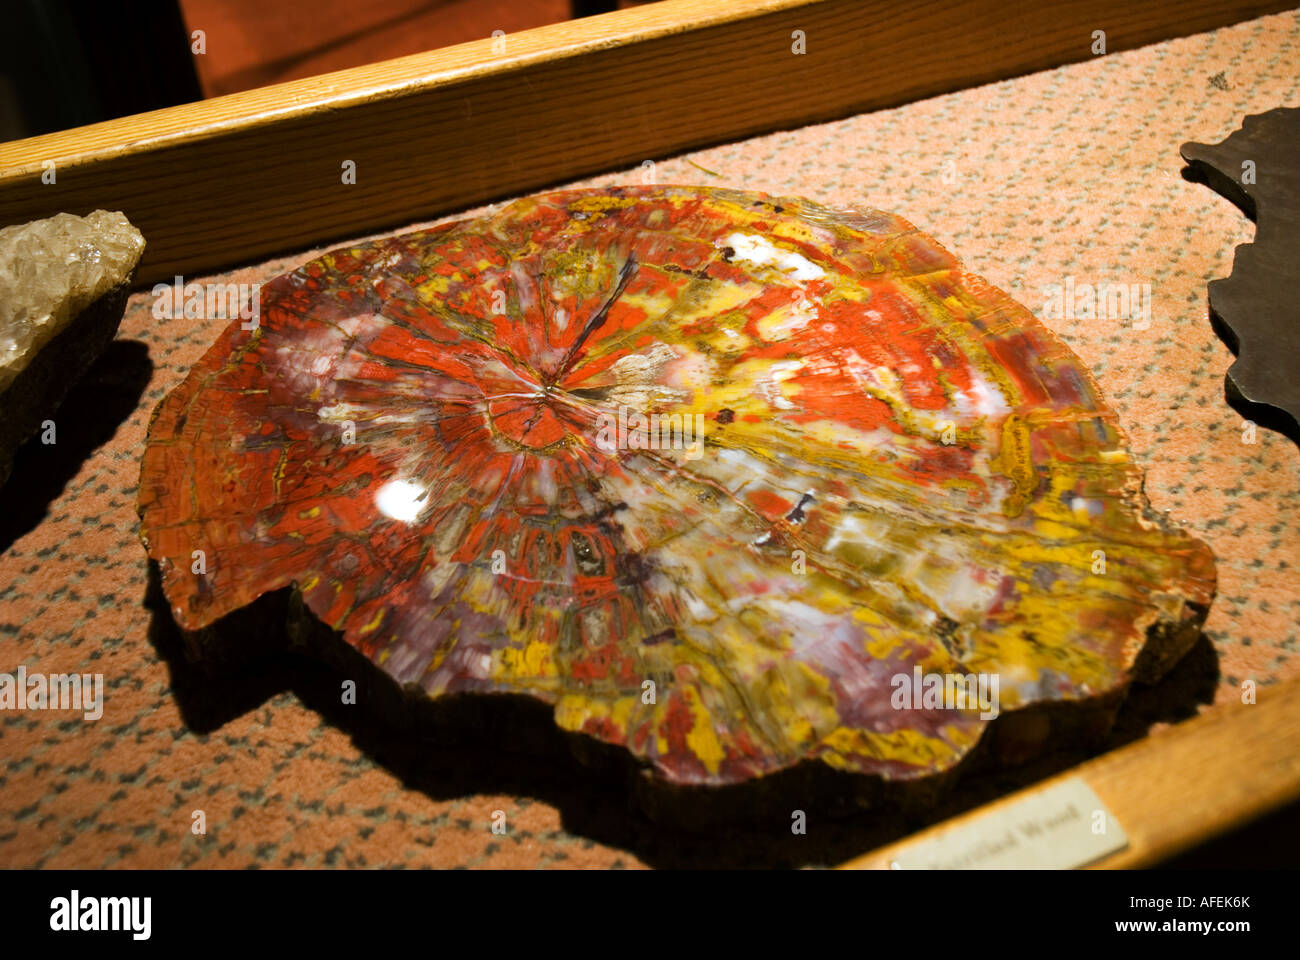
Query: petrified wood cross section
pixel 473 451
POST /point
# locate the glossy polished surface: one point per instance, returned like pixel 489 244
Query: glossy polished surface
pixel 706 470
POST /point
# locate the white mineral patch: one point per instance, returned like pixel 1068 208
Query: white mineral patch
pixel 782 324
pixel 752 248
pixel 989 400
pixel 548 491
pixel 770 388
pixel 337 413
pixel 524 285
pixel 1084 508
pixel 697 608
pixel 50 271
pixel 640 380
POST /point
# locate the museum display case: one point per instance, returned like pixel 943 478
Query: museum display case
pixel 832 348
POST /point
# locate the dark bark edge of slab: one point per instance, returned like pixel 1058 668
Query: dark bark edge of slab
pixel 505 729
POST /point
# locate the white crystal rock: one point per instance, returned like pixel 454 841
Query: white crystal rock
pixel 50 271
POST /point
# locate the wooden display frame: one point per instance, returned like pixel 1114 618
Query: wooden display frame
pixel 243 177
pixel 1176 788
pixel 240 178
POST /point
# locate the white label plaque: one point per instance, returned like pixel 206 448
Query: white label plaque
pixel 1062 827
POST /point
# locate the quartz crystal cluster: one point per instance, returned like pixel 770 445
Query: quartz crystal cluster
pixel 50 271
pixel 63 287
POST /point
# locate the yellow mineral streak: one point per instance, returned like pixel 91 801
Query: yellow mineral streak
pixel 702 740
pixel 533 660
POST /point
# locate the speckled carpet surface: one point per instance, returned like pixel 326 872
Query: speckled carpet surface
pixel 1067 176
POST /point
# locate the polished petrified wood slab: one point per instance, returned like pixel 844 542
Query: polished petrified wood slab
pixel 457 445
